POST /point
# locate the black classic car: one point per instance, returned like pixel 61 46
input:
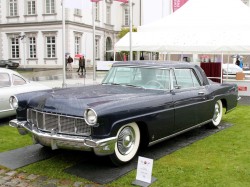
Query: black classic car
pixel 138 103
pixel 9 64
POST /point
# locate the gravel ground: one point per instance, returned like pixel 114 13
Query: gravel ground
pixel 10 178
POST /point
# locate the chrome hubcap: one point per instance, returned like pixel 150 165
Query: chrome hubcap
pixel 216 112
pixel 126 140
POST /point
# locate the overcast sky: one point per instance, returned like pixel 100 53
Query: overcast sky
pixel 152 10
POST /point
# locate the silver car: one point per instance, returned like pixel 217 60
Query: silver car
pixel 12 83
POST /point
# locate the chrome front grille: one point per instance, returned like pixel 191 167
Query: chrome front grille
pixel 58 123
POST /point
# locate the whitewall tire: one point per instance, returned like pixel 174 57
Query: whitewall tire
pixel 127 145
pixel 217 115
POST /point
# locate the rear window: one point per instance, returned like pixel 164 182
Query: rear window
pixel 18 80
pixel 4 80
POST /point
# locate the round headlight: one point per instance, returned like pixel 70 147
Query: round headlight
pixel 13 102
pixel 90 117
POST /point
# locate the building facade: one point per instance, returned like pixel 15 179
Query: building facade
pixel 31 30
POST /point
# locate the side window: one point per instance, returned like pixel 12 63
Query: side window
pixel 185 78
pixel 195 80
pixel 18 80
pixel 4 80
pixel 162 76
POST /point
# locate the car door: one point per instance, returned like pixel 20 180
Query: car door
pixel 5 92
pixel 189 97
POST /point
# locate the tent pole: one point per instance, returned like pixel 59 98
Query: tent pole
pixel 169 57
pixel 130 30
pixel 221 68
pixel 93 20
pixel 63 46
pixel 227 65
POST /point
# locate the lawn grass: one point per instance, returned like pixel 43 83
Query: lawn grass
pixel 222 159
pixel 10 139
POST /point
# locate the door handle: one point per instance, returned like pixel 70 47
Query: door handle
pixel 201 93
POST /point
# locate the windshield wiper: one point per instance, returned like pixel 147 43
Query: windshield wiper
pixel 132 85
pixel 110 83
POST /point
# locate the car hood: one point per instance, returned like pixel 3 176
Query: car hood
pixel 73 101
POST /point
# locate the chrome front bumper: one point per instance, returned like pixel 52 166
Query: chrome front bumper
pixel 55 141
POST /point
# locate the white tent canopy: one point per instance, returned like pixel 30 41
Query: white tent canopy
pixel 204 26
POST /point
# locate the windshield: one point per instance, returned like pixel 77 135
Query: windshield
pixel 148 78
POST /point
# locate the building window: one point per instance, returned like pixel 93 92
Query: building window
pixel 108 14
pixel 32 47
pixel 14 47
pixel 31 7
pixel 77 44
pixel 51 46
pixel 50 6
pixel 126 16
pixel 78 12
pixel 13 7
pixel 97 47
pixel 97 7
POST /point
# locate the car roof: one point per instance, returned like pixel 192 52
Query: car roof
pixel 5 70
pixel 157 64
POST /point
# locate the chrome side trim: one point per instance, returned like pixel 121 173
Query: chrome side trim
pixel 172 135
pixel 7 110
pixel 104 146
pixel 205 101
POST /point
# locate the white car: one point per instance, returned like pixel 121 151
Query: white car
pixel 231 69
pixel 12 83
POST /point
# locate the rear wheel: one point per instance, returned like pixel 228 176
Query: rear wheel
pixel 217 116
pixel 127 145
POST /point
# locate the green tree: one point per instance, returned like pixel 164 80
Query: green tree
pixel 124 31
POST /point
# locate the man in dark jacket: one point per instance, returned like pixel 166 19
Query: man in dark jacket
pixel 81 64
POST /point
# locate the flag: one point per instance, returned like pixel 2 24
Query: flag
pixel 123 1
pixel 73 4
pixel 178 4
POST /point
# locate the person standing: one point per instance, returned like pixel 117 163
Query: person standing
pixel 241 63
pixel 237 62
pixel 70 60
pixel 81 64
pixel 142 58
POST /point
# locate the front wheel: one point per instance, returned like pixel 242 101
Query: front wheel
pixel 127 145
pixel 217 116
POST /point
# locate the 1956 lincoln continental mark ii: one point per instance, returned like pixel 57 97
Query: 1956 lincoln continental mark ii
pixel 137 103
